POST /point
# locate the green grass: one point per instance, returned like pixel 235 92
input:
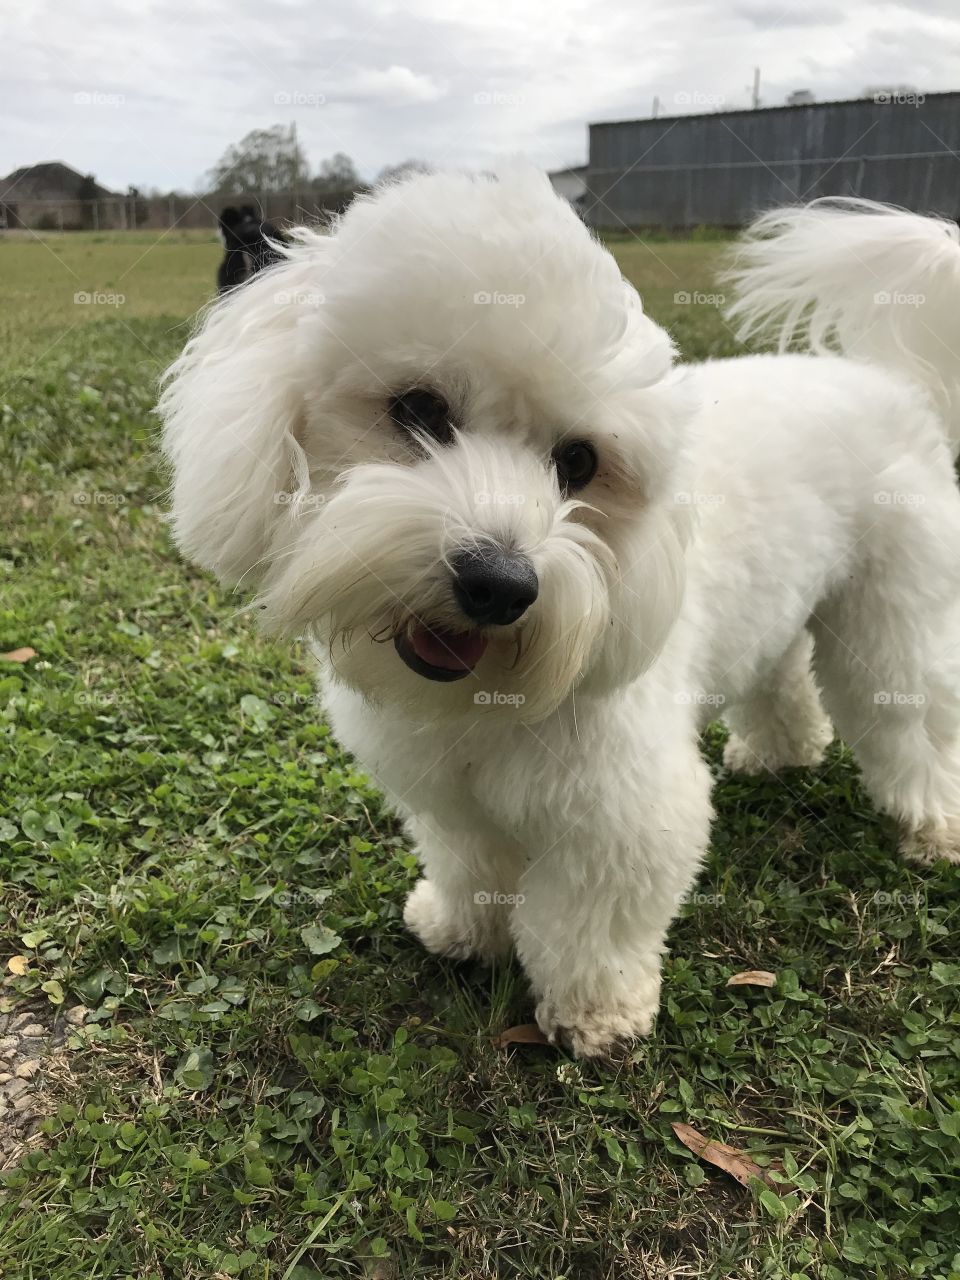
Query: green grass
pixel 277 1081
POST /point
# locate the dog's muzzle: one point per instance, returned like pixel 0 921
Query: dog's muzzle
pixel 492 588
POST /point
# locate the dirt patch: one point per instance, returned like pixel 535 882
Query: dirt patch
pixel 31 1040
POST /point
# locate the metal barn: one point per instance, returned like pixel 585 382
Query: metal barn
pixel 720 169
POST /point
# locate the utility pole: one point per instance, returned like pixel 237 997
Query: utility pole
pixel 656 106
pixel 296 154
pixel 756 88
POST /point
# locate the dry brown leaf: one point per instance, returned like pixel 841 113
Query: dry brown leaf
pixel 18 965
pixel 18 655
pixel 753 978
pixel 737 1163
pixel 526 1033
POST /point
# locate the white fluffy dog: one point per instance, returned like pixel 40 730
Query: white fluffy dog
pixel 533 556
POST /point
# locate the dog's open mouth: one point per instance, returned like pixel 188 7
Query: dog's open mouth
pixel 438 654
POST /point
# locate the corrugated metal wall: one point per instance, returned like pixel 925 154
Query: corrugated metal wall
pixel 719 170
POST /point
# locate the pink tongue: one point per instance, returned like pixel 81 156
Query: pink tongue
pixel 451 650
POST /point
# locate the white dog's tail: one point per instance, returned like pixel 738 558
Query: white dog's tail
pixel 872 282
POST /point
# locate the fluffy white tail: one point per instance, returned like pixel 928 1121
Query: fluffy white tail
pixel 872 282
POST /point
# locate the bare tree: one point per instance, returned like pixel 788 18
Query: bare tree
pixel 406 169
pixel 87 193
pixel 336 183
pixel 266 160
pixel 338 173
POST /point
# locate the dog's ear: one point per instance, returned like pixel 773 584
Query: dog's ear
pixel 231 412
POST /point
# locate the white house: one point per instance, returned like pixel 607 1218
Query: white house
pixel 570 183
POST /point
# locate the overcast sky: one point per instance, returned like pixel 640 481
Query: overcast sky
pixel 171 83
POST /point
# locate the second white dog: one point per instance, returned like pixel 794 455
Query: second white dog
pixel 534 557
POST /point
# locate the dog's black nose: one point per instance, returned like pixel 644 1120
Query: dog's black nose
pixel 494 587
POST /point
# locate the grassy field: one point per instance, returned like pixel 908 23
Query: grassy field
pixel 275 1081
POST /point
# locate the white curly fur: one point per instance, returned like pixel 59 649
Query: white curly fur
pixel 749 519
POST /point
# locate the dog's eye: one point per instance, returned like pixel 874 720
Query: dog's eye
pixel 576 464
pixel 422 412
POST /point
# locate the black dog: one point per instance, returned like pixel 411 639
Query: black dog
pixel 247 248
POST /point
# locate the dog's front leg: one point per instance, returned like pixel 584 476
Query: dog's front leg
pixel 593 912
pixel 462 905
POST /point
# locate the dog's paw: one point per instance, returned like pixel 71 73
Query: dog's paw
pixel 603 1031
pixel 742 755
pixel 454 933
pixel 738 757
pixel 439 929
pixel 932 842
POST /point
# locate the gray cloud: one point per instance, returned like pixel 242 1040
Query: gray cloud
pixel 768 15
pixel 451 81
